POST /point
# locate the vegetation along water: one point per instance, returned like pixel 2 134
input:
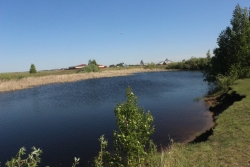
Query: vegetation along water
pixel 226 144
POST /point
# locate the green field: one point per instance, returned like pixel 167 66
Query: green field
pixel 20 75
pixel 229 144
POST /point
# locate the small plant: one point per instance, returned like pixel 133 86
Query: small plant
pixel 76 162
pixel 223 82
pixel 31 161
pixel 32 69
pixel 103 154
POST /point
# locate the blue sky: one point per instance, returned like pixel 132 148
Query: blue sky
pixel 61 33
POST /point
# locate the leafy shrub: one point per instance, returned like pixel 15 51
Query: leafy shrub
pixel 32 160
pixel 223 82
pixel 132 137
pixel 91 68
pixel 175 65
pixel 150 66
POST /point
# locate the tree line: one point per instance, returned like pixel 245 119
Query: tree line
pixel 232 56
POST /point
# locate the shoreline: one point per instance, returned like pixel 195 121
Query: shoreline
pixel 30 82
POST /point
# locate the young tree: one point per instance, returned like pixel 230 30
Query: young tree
pixel 91 67
pixel 132 137
pixel 120 64
pixel 134 129
pixel 92 62
pixel 32 69
pixel 233 51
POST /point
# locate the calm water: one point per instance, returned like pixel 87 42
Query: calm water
pixel 66 120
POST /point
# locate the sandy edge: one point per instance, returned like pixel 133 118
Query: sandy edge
pixel 30 82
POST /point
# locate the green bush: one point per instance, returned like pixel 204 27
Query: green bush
pixel 150 66
pixel 91 68
pixel 224 82
pixel 32 160
pixel 132 137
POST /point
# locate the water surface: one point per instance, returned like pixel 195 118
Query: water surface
pixel 66 120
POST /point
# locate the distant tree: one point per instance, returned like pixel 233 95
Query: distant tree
pixel 92 62
pixel 32 69
pixel 233 51
pixel 142 63
pixel 208 54
pixel 91 67
pixel 120 64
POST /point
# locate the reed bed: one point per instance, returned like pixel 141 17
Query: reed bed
pixel 29 82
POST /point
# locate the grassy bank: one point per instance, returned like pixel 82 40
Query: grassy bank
pixel 17 81
pixel 229 144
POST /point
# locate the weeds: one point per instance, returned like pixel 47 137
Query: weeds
pixel 32 160
pixel 76 162
pixel 150 66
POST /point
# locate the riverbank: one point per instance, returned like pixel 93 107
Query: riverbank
pixel 32 81
pixel 228 141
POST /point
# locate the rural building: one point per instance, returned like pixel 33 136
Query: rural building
pixel 77 67
pixel 101 66
pixel 165 62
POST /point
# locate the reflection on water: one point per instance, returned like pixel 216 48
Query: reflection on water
pixel 66 120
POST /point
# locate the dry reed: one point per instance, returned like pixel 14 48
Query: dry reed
pixel 30 82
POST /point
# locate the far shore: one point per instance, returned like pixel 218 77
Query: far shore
pixel 29 82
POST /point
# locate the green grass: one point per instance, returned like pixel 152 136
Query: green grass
pixel 229 145
pixel 20 75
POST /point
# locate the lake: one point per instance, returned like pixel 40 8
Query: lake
pixel 66 120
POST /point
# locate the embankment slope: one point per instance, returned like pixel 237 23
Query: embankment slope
pixel 229 144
